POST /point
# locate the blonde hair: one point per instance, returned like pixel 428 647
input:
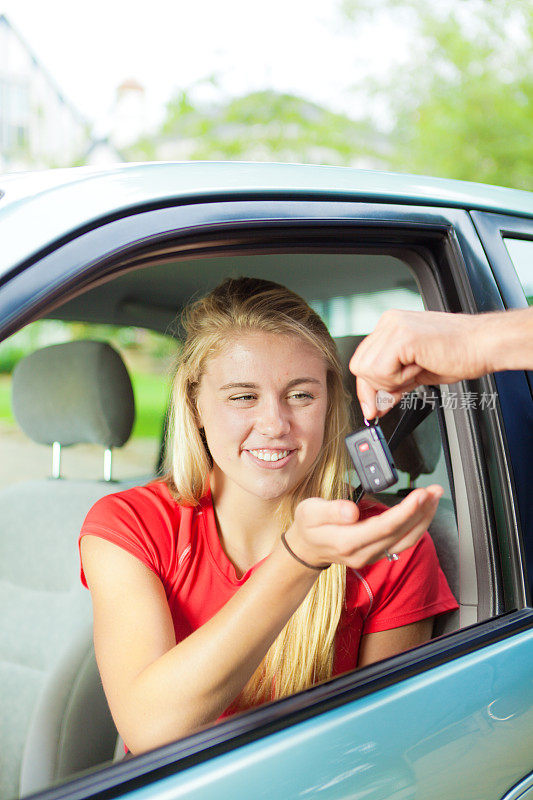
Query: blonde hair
pixel 303 652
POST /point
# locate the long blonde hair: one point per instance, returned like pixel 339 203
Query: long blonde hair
pixel 303 652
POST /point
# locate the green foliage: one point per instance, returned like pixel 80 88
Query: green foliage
pixel 460 104
pixel 463 104
pixel 151 399
pixel 9 358
pixel 128 340
pixel 6 415
pixel 260 126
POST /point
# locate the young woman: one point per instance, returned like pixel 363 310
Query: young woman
pixel 247 574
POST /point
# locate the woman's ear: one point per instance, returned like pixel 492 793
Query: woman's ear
pixel 198 416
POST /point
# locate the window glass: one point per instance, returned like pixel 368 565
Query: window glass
pixel 521 252
pixel 358 314
pixel 349 291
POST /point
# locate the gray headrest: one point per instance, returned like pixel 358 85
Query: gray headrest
pixel 419 452
pixel 72 393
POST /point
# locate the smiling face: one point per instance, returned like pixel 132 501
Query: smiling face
pixel 262 402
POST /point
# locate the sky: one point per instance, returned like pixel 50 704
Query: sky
pixel 305 47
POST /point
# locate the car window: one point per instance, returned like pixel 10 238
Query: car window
pixel 349 291
pixel 521 253
pixel 358 314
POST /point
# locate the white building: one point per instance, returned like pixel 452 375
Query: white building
pixel 129 115
pixel 39 128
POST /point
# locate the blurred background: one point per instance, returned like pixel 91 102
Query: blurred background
pixel 444 89
pixel 438 88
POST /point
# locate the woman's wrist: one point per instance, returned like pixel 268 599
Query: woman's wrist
pixel 293 569
pixel 317 567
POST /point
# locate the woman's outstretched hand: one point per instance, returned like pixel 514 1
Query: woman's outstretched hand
pixel 329 531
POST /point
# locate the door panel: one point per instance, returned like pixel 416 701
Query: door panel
pixel 462 730
pixel 515 388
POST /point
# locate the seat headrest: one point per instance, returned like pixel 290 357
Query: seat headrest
pixel 78 392
pixel 419 452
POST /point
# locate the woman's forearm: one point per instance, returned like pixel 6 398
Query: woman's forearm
pixel 195 681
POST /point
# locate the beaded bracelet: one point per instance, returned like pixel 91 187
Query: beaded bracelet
pixel 293 554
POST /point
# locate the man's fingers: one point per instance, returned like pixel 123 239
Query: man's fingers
pixel 367 398
pixel 409 375
pixel 384 392
pixel 432 342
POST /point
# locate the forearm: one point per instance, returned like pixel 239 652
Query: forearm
pixel 196 680
pixel 506 339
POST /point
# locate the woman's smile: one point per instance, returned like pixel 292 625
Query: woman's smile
pixel 270 459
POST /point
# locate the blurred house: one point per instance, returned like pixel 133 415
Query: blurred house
pixel 128 122
pixel 39 127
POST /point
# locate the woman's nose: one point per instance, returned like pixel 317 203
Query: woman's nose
pixel 273 419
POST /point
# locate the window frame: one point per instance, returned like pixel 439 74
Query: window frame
pixel 446 236
pixel 515 386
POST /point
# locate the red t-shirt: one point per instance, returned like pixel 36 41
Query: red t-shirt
pixel 181 545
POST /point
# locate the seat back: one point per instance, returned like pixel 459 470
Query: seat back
pixel 54 718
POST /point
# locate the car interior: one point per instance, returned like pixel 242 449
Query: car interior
pixel 55 720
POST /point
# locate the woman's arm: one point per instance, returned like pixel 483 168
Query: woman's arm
pixel 159 690
pixel 384 644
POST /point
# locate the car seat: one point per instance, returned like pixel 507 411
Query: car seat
pixel 418 454
pixel 55 720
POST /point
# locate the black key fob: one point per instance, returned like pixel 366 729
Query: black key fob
pixel 372 458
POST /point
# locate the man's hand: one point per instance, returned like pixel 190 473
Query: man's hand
pixel 410 348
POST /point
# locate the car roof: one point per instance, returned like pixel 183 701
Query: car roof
pixel 37 209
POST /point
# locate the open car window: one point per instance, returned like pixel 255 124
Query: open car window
pixel 349 287
pixel 349 291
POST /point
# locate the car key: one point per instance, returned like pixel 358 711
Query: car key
pixel 372 458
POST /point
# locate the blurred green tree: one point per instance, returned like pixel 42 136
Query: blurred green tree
pixel 461 104
pixel 259 126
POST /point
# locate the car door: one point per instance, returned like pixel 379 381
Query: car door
pixel 508 242
pixel 450 719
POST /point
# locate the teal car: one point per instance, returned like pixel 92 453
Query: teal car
pixel 117 253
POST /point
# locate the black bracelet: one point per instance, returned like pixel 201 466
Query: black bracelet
pixel 293 554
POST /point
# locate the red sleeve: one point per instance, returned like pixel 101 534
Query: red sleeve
pixel 408 590
pixel 122 519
